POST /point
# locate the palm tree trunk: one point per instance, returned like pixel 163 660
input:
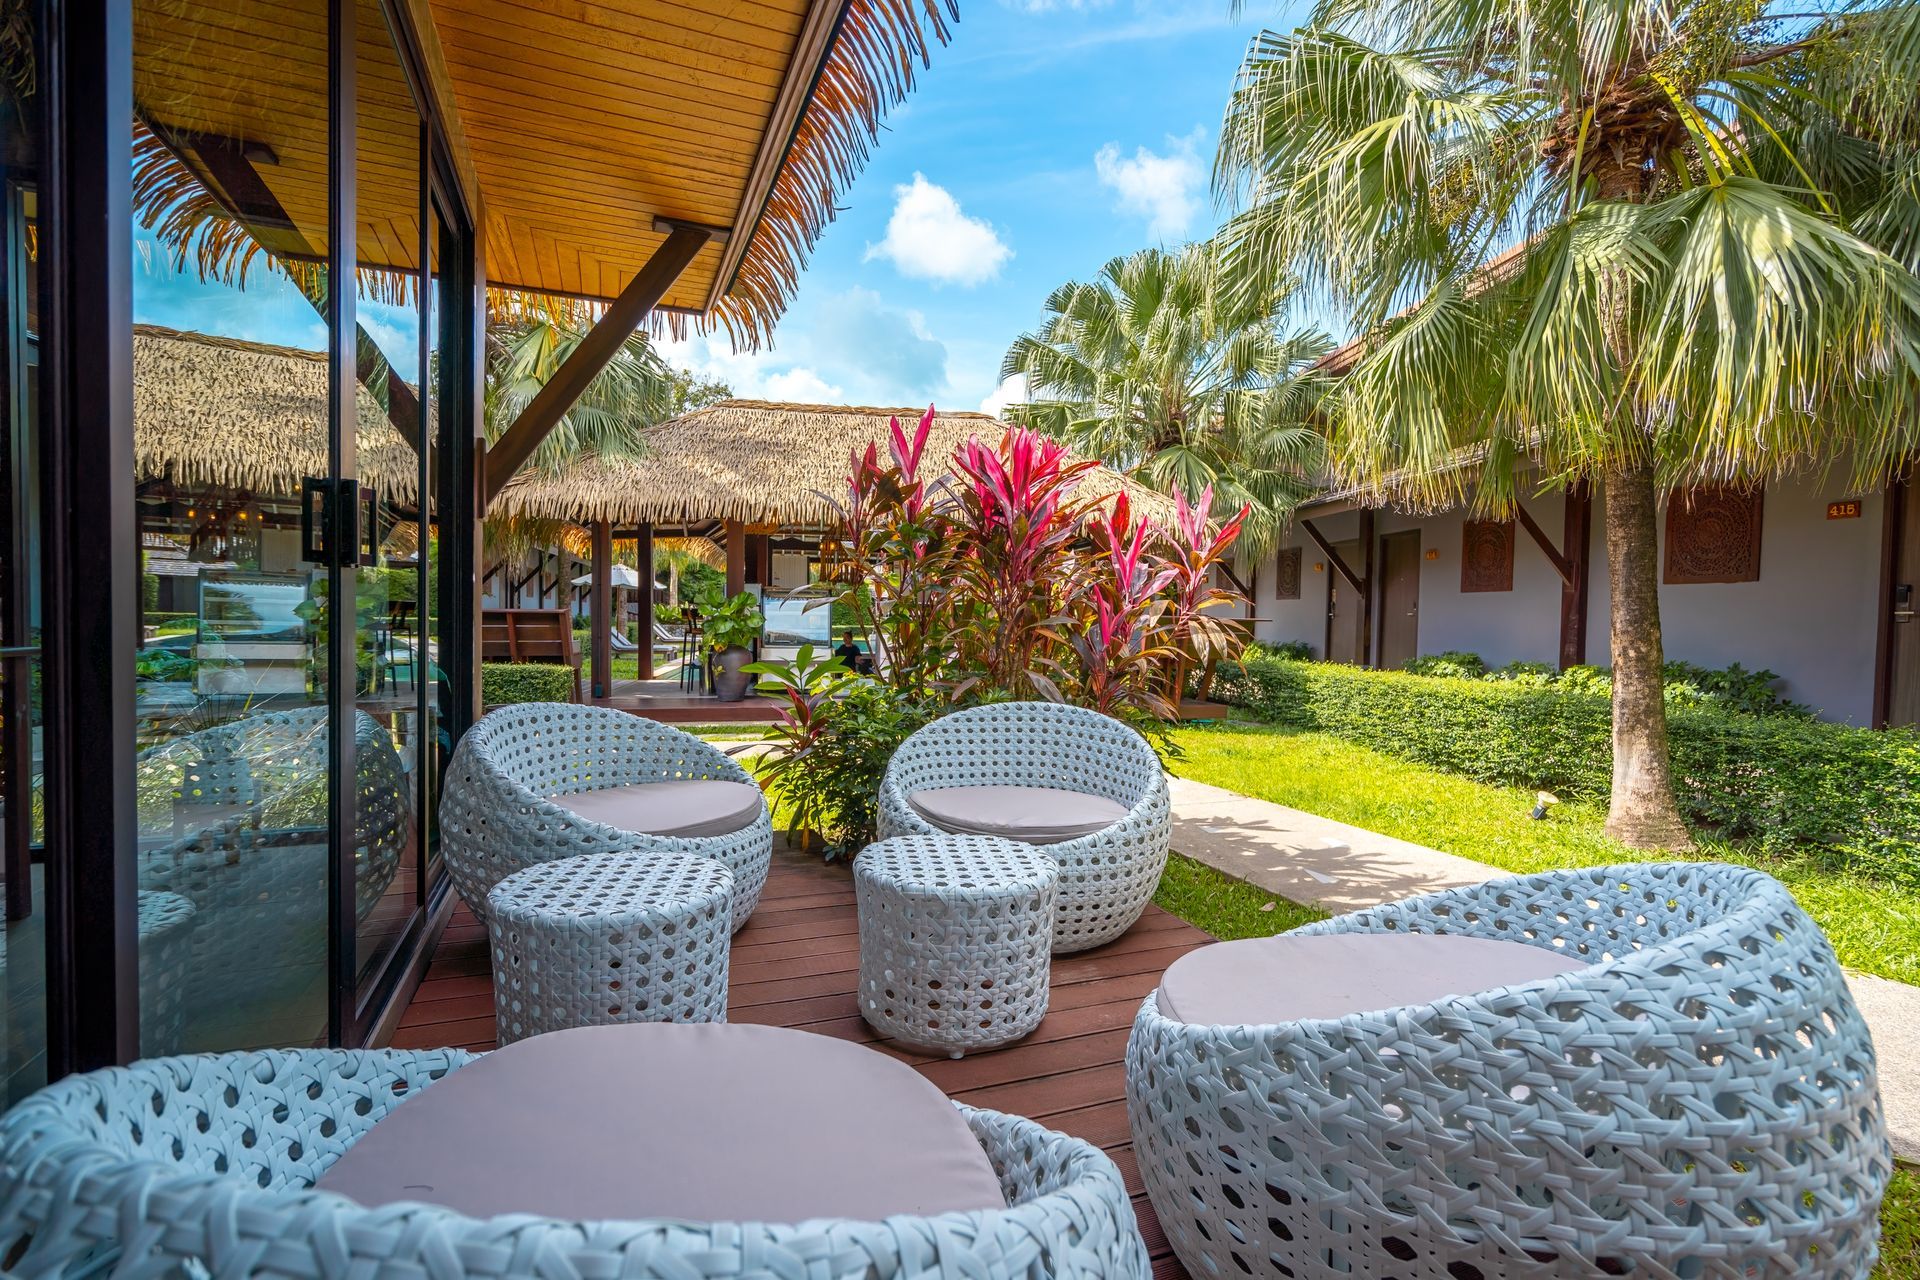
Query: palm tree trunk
pixel 1642 813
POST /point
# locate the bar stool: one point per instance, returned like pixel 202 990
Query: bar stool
pixel 691 669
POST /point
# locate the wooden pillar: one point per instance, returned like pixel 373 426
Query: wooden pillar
pixel 759 558
pixel 736 558
pixel 1367 553
pixel 601 610
pixel 643 561
pixel 1576 547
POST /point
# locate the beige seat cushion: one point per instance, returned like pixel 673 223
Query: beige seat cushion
pixel 704 807
pixel 1261 981
pixel 701 1122
pixel 1036 815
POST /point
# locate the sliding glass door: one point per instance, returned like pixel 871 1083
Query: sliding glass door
pixel 285 415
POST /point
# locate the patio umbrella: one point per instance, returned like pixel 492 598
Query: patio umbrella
pixel 620 576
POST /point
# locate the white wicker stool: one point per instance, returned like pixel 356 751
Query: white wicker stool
pixel 956 939
pixel 610 937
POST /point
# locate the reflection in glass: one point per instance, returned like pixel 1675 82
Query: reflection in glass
pixel 389 180
pixel 23 943
pixel 231 417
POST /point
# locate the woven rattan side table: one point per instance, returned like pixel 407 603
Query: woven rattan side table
pixel 610 937
pixel 166 922
pixel 956 939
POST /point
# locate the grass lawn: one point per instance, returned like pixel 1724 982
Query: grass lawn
pixel 1900 1228
pixel 1225 907
pixel 1874 926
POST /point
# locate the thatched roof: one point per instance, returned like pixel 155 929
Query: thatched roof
pixel 219 412
pixel 755 462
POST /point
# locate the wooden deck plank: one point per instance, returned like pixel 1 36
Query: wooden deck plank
pixel 796 964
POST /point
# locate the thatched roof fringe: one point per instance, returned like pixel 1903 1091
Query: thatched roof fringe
pixel 221 412
pixel 755 462
pixel 869 70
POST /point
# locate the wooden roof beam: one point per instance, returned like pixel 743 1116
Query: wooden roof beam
pixel 596 350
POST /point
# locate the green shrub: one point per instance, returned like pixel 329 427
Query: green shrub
pixel 1454 664
pixel 1785 782
pixel 506 682
pixel 163 664
pixel 833 747
pixel 1297 650
pixel 1732 687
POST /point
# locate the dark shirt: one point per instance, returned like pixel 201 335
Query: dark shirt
pixel 849 653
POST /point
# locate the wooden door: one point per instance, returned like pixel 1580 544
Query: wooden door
pixel 1399 599
pixel 1903 623
pixel 1343 608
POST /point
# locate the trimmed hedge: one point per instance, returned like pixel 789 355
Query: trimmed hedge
pixel 1787 784
pixel 505 682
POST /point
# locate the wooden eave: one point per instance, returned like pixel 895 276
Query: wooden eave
pixel 577 127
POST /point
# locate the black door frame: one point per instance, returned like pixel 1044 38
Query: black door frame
pixel 84 51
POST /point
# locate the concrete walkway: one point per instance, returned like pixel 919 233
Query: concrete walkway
pixel 1306 858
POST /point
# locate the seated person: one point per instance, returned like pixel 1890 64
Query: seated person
pixel 849 653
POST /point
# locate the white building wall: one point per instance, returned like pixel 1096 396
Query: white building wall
pixel 1811 617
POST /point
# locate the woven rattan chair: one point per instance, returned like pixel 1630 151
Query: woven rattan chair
pixel 496 816
pixel 204 1165
pixel 235 822
pixel 1106 878
pixel 1700 1102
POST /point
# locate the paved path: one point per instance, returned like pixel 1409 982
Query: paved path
pixel 1306 858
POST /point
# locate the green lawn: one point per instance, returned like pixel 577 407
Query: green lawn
pixel 1225 907
pixel 1900 1228
pixel 1874 926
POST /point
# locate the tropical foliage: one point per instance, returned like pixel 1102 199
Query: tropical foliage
pixel 1645 246
pixel 1000 582
pixel 974 586
pixel 634 391
pixel 1159 369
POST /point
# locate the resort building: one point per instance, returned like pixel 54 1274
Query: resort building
pixel 1804 579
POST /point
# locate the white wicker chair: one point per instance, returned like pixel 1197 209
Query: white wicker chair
pixel 205 1166
pixel 1699 1103
pixel 1107 878
pixel 249 803
pixel 495 817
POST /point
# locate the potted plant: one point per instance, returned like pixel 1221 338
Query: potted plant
pixel 732 628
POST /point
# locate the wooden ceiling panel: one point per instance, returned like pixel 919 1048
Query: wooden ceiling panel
pixel 589 119
pixel 575 127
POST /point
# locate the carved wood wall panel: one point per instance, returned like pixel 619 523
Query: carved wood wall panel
pixel 1486 555
pixel 1286 581
pixel 1713 535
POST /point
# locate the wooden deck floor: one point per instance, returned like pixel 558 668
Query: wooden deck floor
pixel 795 965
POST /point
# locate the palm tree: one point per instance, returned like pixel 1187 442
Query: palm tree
pixel 1155 369
pixel 1644 245
pixel 633 392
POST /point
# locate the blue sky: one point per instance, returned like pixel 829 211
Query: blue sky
pixel 1047 137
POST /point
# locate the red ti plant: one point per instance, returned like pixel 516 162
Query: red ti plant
pixel 1196 550
pixel 1014 520
pixel 890 551
pixel 1115 646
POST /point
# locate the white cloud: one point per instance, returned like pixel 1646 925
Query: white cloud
pixel 1162 188
pixel 841 348
pixel 929 237
pixel 1011 390
pixel 801 385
